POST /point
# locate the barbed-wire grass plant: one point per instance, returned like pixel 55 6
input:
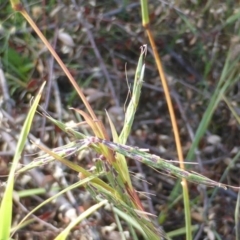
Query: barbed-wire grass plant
pixel 111 163
pixel 121 193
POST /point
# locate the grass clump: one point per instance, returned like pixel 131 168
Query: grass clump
pixel 201 102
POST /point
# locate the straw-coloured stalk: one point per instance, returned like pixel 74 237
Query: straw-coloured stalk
pixel 146 25
pixel 92 120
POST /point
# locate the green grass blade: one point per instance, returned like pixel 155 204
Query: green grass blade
pixel 113 129
pixel 96 182
pixel 65 128
pixel 225 173
pixel 131 221
pixel 121 165
pixel 227 79
pixel 132 107
pixel 6 204
pixel 145 14
pixel 119 225
pixel 237 208
pixel 73 186
pixel 63 235
pixel 181 231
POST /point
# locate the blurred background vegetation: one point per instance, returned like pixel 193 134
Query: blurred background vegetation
pixel 199 43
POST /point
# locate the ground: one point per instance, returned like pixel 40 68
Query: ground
pixel 199 47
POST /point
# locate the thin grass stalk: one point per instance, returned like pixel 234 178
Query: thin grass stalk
pixel 234 113
pixel 181 231
pixel 236 215
pixel 130 221
pixel 17 6
pixel 82 216
pixel 121 165
pixel 224 175
pixel 145 22
pixel 133 233
pixel 119 224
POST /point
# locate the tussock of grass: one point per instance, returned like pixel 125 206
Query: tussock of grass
pixel 200 45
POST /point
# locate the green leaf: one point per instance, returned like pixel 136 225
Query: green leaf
pixel 6 204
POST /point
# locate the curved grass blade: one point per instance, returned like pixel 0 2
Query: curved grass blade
pixel 63 235
pixel 73 186
pixel 6 204
pixel 236 216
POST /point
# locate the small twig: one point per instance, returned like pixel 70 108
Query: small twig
pixel 42 222
pixel 49 86
pixel 119 10
pixel 199 233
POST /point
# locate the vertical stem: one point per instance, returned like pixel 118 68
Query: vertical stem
pixel 145 22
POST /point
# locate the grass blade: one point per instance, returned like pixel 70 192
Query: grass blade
pixel 228 77
pixel 6 204
pixel 63 235
pixel 237 216
pixel 132 107
pixel 75 185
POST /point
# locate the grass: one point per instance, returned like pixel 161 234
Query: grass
pixel 108 178
pixel 6 202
